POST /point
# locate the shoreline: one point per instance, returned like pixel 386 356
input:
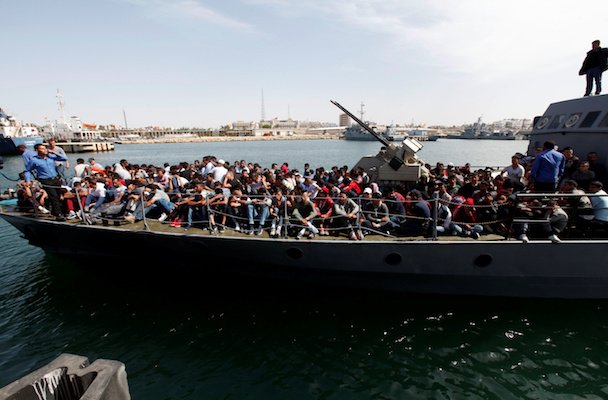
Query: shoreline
pixel 206 139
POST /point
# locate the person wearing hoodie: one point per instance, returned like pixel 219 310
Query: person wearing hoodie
pixel 464 220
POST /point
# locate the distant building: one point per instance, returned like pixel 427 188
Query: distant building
pixel 285 124
pixel 344 120
pixel 243 125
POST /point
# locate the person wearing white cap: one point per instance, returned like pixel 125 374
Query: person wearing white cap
pixel 219 172
pixel 366 197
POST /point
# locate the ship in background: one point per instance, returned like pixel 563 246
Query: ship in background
pixel 480 130
pixel 390 133
pixel 419 133
pixel 73 131
pixel 14 133
pixel 358 133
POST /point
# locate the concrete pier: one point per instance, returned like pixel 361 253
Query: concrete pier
pixel 226 139
pixel 86 147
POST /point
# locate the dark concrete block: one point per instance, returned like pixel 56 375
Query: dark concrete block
pixel 71 377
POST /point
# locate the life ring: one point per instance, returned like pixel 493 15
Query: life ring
pixel 98 170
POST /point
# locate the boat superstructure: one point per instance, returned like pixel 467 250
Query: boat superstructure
pixel 580 123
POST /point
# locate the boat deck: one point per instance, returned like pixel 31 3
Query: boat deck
pixel 154 225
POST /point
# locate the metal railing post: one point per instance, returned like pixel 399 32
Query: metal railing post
pixel 515 206
pixel 285 220
pixel 434 215
pixel 82 217
pixel 143 212
pixel 208 207
pixel 359 213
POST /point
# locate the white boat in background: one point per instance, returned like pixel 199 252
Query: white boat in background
pixel 74 130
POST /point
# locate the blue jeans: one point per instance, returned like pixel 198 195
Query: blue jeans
pixel 61 171
pixel 458 230
pixel 594 74
pixel 197 213
pixel 98 201
pixel 397 220
pixel 252 213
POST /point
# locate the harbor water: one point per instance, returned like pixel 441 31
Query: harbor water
pixel 183 334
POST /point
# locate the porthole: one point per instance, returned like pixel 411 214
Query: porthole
pixel 572 120
pixel 542 123
pixel 483 260
pixel 294 253
pixel 393 259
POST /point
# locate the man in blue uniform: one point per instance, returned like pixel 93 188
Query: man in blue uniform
pixel 27 155
pixel 547 168
pixel 44 166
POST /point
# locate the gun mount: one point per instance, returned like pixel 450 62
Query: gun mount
pixel 395 163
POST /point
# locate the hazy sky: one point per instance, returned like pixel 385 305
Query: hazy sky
pixel 204 63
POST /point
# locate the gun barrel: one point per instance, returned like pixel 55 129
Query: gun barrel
pixel 363 124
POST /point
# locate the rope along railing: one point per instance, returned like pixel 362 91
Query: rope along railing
pixel 284 216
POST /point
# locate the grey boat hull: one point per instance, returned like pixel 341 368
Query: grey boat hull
pixel 572 269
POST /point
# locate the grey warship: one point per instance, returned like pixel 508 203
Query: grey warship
pixel 491 266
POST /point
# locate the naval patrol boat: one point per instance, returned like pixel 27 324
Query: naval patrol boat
pixel 493 265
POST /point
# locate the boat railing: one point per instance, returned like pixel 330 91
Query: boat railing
pixel 582 219
pixel 284 211
pixel 520 212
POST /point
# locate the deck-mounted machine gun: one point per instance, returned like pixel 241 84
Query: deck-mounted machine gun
pixel 397 163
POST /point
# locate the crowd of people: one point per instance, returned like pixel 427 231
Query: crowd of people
pixel 216 195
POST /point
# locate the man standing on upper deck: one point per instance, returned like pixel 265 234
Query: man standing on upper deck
pixel 547 168
pixel 44 165
pixel 595 63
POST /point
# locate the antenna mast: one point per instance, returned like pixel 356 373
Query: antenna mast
pixel 125 116
pixel 362 112
pixel 263 109
pixel 61 104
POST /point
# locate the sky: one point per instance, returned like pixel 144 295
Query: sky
pixel 200 63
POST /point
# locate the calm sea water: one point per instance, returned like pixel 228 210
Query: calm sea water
pixel 186 335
